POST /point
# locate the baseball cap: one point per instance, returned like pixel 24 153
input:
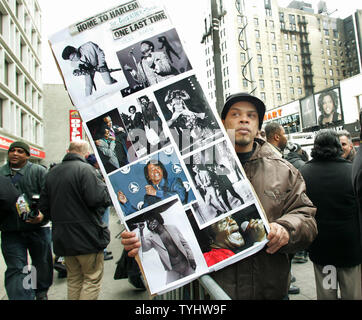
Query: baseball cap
pixel 20 144
pixel 243 96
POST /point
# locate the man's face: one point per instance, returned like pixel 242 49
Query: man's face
pixel 155 173
pixel 74 57
pixel 282 139
pixel 132 110
pixel 108 122
pixel 227 234
pixel 346 146
pixel 153 224
pixel 17 157
pixel 146 49
pixel 144 101
pixel 243 118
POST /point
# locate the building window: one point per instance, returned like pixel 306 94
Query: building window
pixel 288 57
pixel 272 35
pixel 257 34
pixel 274 47
pixel 279 96
pixel 261 84
pixel 296 59
pixel 295 47
pixel 276 72
pixel 245 83
pixel 287 46
pixel 242 57
pixel 277 84
pixel 275 60
pixel 291 90
pixel 289 67
pixel 256 22
pixel 290 78
pixel 260 58
pixel 263 96
pixel 300 91
pixel 299 80
pixel 258 46
pixel 260 71
pixel 297 69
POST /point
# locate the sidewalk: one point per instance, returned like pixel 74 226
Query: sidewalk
pixel 304 274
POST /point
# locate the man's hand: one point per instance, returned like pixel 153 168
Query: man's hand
pixel 278 237
pixel 38 219
pixel 130 243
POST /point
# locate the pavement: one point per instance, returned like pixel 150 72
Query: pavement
pixel 122 290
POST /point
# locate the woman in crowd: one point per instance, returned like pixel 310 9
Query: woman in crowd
pixel 336 252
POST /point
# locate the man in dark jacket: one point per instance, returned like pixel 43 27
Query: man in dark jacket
pixel 74 198
pixel 19 237
pixel 281 191
pixel 8 196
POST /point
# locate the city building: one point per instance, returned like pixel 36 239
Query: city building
pixel 279 54
pixel 21 91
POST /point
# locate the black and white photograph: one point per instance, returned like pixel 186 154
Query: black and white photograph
pixel 221 186
pixel 188 114
pixel 329 107
pixel 152 61
pixel 111 140
pixel 169 253
pixel 231 237
pixel 151 180
pixel 308 112
pixel 144 125
pixel 90 67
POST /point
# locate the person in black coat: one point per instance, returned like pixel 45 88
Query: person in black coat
pixel 336 252
pixel 8 196
pixel 74 198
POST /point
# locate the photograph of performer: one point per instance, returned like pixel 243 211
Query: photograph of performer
pixel 110 138
pixel 172 248
pixel 145 184
pixel 145 65
pixel 328 104
pixel 188 115
pixel 86 60
pixel 230 235
pixel 308 112
pixel 169 249
pixel 220 185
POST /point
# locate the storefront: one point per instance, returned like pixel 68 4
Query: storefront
pixel 36 154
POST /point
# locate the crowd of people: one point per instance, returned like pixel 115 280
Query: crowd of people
pixel 313 207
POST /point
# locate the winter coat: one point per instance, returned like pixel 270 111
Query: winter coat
pixel 295 159
pixel 281 191
pixel 329 186
pixel 357 182
pixel 74 198
pixel 8 196
pixel 30 183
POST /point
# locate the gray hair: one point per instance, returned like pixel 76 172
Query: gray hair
pixel 81 147
pixel 344 133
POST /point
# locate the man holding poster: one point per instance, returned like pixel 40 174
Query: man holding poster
pixel 281 191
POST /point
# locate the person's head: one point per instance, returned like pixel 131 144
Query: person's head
pixel 80 147
pixel 147 48
pixel 144 100
pixel 261 134
pixel 18 154
pixel 346 142
pixel 275 134
pixel 327 103
pixel 108 121
pixel 225 234
pixel 154 172
pixel 326 146
pixel 70 53
pixel 92 160
pixel 243 116
pixel 154 222
pixel 132 109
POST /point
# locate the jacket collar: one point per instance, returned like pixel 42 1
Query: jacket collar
pixel 21 171
pixel 73 157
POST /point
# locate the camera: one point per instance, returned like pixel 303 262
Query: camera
pixel 25 210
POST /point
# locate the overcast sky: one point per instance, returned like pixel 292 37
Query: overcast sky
pixel 186 15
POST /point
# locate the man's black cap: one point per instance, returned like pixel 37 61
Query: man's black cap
pixel 243 96
pixel 22 145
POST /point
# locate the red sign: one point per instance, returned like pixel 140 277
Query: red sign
pixel 5 144
pixel 75 124
pixel 273 115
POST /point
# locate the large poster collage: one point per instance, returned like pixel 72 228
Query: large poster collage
pixel 170 167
